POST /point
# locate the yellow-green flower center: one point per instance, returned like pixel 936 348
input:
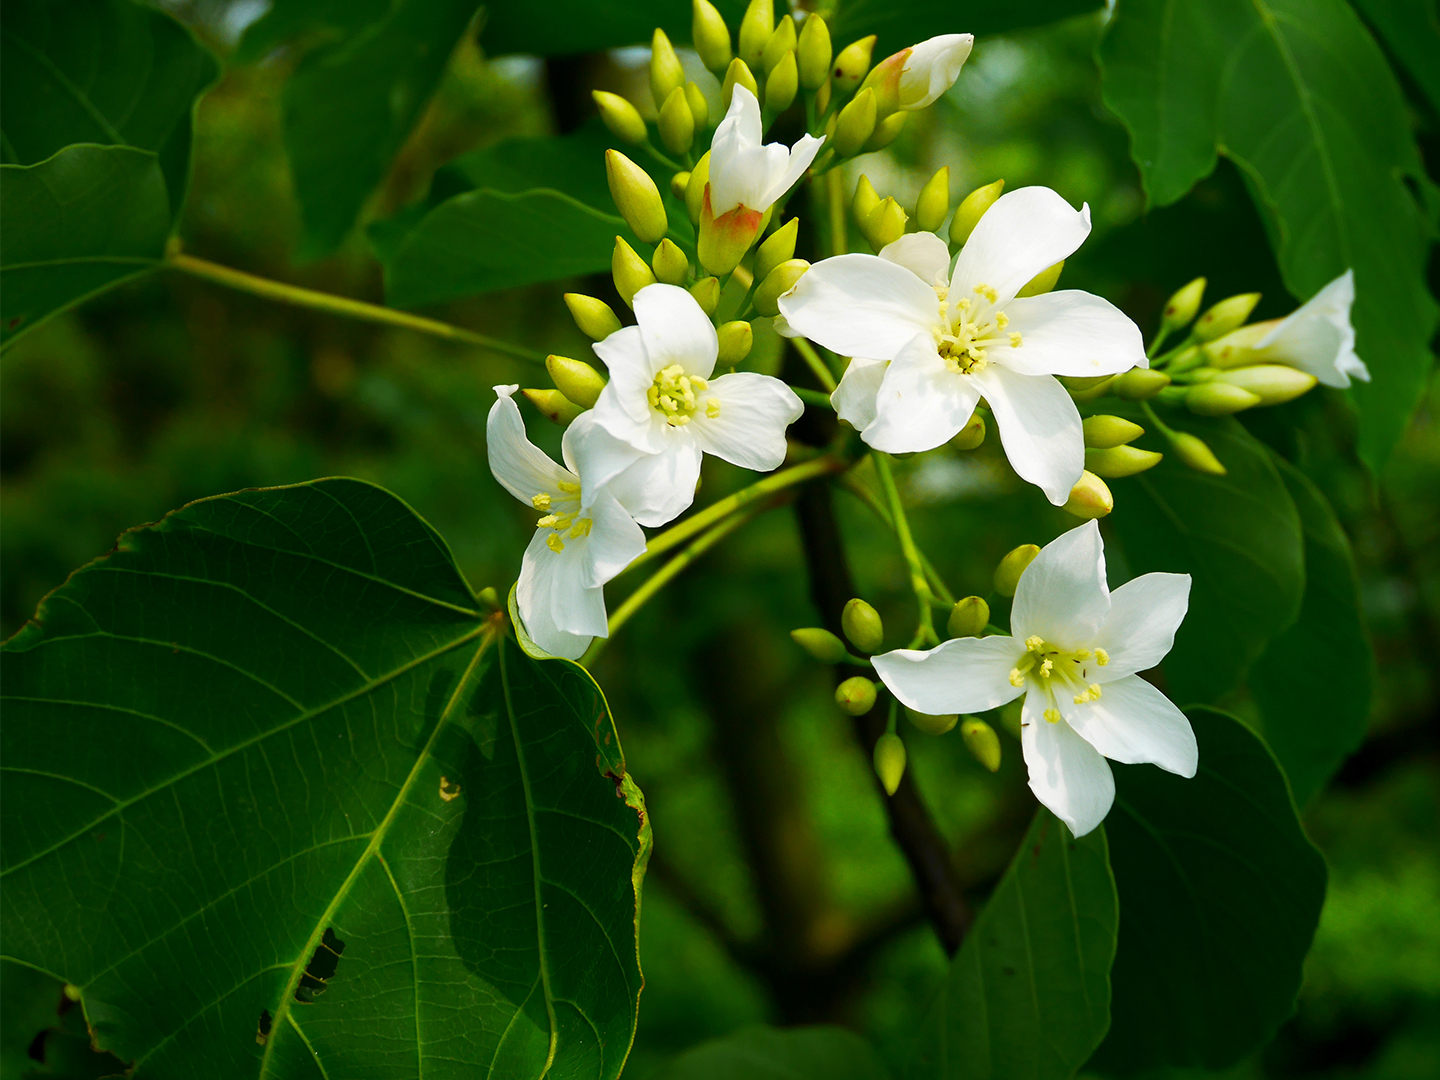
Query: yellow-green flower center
pixel 1051 669
pixel 675 396
pixel 964 335
pixel 565 524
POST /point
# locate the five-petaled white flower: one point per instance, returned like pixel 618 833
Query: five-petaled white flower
pixel 1074 654
pixel 952 341
pixel 662 411
pixel 580 543
pixel 915 77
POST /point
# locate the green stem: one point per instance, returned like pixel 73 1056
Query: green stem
pixel 857 487
pixel 340 305
pixel 1149 411
pixel 925 630
pixel 835 192
pixel 816 363
pixel 812 397
pixel 1160 337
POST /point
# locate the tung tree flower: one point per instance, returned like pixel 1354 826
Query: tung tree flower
pixel 953 342
pixel 662 411
pixel 914 78
pixel 1074 653
pixel 582 540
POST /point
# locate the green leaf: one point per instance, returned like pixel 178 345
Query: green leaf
pixel 1313 682
pixel 1221 891
pixel 1411 31
pixel 1239 538
pixel 764 1053
pixel 1028 995
pixel 285 802
pixel 111 72
pixel 86 219
pixel 902 25
pixel 1299 96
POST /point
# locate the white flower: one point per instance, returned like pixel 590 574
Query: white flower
pixel 1316 337
pixel 745 173
pixel 953 342
pixel 662 411
pixel 1074 654
pixel 579 543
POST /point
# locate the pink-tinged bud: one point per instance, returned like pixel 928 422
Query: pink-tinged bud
pixel 724 240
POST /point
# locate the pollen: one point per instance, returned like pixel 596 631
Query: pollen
pixel 554 543
pixel 1001 320
pixel 987 292
pixel 1052 715
pixel 712 408
pixel 568 488
pixel 1034 643
pixel 581 528
pixel 1090 693
pixel 1102 657
pixel 673 395
pixel 1017 677
pixel 1014 339
pixel 541 501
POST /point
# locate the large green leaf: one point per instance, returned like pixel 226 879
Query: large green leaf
pixel 284 801
pixel 1411 30
pixel 99 71
pixel 763 1053
pixel 1299 96
pixel 86 219
pixel 1221 891
pixel 1313 681
pixel 899 25
pixel 1028 995
pixel 1237 535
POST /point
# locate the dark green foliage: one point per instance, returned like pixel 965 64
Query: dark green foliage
pixel 762 1053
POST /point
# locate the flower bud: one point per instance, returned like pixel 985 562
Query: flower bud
pixel 679 184
pixel 736 340
pixel 1007 574
pixel 1103 431
pixel 813 52
pixel 1219 399
pixel 1225 316
pixel 967 214
pixel 622 118
pixel 862 625
pixel 1192 450
pixel 1238 348
pixel 777 248
pixel 865 199
pixel 710 35
pixel 706 292
pixel 981 740
pixel 1181 307
pixel 1274 384
pixel 855 696
pixel 666 74
pixel 968 618
pixel 852 63
pixel 737 72
pixel 779 281
pixel 1087 389
pixel 699 107
pixel 1042 282
pixel 782 41
pixel 782 85
pixel 576 379
pixel 930 724
pixel 756 27
pixel 1137 384
pixel 1188 358
pixel 934 201
pixel 889 761
pixel 554 405
pixel 971 435
pixel 1117 461
pixel 856 124
pixel 630 271
pixel 593 316
pixel 1089 498
pixel 822 98
pixel 636 197
pixel 695 187
pixel 820 643
pixel 669 263
pixel 885 225
pixel 886 131
pixel 676 123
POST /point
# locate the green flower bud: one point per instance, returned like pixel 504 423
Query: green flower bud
pixel 1089 498
pixel 885 225
pixel 710 35
pixel 736 340
pixel 934 201
pixel 1007 574
pixel 756 27
pixel 1193 451
pixel 820 643
pixel 1219 399
pixel 593 316
pixel 1238 348
pixel 1181 307
pixel 636 197
pixel 932 725
pixel 666 74
pixel 490 598
pixel 813 52
pixel 779 281
pixel 1273 384
pixel 737 72
pixel 679 184
pixel 630 271
pixel 971 435
pixel 822 98
pixel 968 618
pixel 865 199
pixel 676 124
pixel 1188 359
pixel 695 187
pixel 669 263
pixel 782 85
pixel 1103 431
pixel 852 63
pixel 1137 384
pixel 1117 461
pixel 981 740
pixel 622 118
pixel 1042 282
pixel 699 107
pixel 706 292
pixel 576 379
pixel 1225 316
pixel 856 124
pixel 968 213
pixel 554 405
pixel 777 248
pixel 889 761
pixel 855 696
pixel 862 625
pixel 886 131
pixel 781 41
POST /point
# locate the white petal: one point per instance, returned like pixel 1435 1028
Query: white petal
pixel 921 403
pixel 922 253
pixel 861 305
pixel 960 675
pixel 1039 428
pixel 749 427
pixel 594 454
pixel 741 170
pixel 522 468
pixel 1068 775
pixel 854 398
pixel 1027 230
pixel 551 584
pixel 1070 333
pixel 675 330
pixel 660 487
pixel 614 542
pixel 1140 629
pixel 800 157
pixel 1062 596
pixel 933 67
pixel 631 374
pixel 1134 723
pixel 1318 338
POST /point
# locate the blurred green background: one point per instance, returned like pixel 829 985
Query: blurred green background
pixel 775 893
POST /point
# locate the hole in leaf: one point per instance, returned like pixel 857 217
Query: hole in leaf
pixel 321 968
pixel 262 1033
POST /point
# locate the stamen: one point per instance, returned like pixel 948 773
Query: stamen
pixel 541 501
pixel 1034 642
pixel 1102 657
pixel 987 292
pixel 1046 666
pixel 673 395
pixel 1001 320
pixel 581 528
pixel 568 488
pixel 554 543
pixel 1052 715
pixel 712 408
pixel 1017 677
pixel 1015 339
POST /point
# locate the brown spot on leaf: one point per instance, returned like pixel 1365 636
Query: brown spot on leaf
pixel 448 790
